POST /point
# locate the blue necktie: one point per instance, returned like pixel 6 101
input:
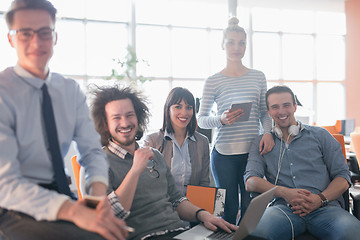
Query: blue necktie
pixel 52 137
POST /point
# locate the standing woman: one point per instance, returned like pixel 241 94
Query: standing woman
pixel 234 84
pixel 185 150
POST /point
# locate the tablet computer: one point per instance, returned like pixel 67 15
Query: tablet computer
pixel 246 106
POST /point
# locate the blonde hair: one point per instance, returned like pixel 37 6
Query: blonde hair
pixel 233 27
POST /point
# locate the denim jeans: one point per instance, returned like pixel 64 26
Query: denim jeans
pixel 330 223
pixel 19 226
pixel 228 171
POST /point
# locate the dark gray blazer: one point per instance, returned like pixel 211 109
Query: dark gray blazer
pixel 198 150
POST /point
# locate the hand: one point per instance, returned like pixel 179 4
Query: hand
pixel 266 144
pixel 213 223
pixel 141 158
pixel 100 220
pixel 305 207
pixel 106 215
pixel 229 118
pixel 295 196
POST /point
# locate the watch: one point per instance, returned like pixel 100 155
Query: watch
pixel 324 200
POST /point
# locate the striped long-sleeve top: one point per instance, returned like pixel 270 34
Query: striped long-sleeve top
pixel 224 90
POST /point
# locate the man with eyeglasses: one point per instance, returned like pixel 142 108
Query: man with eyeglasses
pixel 41 113
pixel 139 178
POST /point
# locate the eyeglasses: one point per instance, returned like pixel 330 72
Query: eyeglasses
pixel 152 171
pixel 26 34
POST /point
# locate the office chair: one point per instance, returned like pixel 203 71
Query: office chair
pixel 334 129
pixel 206 132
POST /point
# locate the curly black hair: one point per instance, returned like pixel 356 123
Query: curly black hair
pixel 104 95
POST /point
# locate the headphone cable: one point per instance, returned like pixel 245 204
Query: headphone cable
pixel 291 224
pixel 281 156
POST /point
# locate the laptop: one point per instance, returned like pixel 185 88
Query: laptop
pixel 247 224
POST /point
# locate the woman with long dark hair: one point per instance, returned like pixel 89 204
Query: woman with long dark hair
pixel 185 150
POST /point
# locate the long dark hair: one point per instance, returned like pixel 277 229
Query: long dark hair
pixel 175 96
pixel 104 95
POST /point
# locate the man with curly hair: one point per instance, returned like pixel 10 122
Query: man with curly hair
pixel 139 178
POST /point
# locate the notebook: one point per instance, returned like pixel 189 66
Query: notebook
pixel 247 224
pixel 212 199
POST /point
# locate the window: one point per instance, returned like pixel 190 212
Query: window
pixel 330 59
pixel 304 49
pixel 8 54
pixel 71 39
pixel 298 57
pixel 266 49
pixel 104 42
pixel 180 43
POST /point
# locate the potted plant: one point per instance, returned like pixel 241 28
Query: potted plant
pixel 126 69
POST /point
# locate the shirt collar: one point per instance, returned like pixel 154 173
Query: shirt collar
pixel 172 136
pixel 301 126
pixel 29 78
pixel 119 151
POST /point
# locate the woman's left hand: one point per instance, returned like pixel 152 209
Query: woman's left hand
pixel 266 144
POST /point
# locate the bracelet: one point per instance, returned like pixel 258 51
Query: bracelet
pixel 197 213
pixel 324 200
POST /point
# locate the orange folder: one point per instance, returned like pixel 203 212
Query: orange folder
pixel 203 197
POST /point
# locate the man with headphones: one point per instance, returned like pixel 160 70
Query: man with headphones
pixel 309 168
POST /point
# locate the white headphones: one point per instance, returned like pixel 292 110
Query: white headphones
pixel 293 130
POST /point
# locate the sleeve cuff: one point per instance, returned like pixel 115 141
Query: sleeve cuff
pixel 56 205
pixel 101 179
pixel 118 209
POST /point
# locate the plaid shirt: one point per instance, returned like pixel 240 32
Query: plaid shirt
pixel 118 209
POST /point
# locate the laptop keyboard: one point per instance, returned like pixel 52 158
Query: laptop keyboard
pixel 220 234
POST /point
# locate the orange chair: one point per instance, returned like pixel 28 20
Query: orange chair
pixel 340 139
pixel 331 129
pixel 76 169
pixel 334 129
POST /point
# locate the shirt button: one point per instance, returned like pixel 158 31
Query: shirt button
pixel 294 177
pixel 291 164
